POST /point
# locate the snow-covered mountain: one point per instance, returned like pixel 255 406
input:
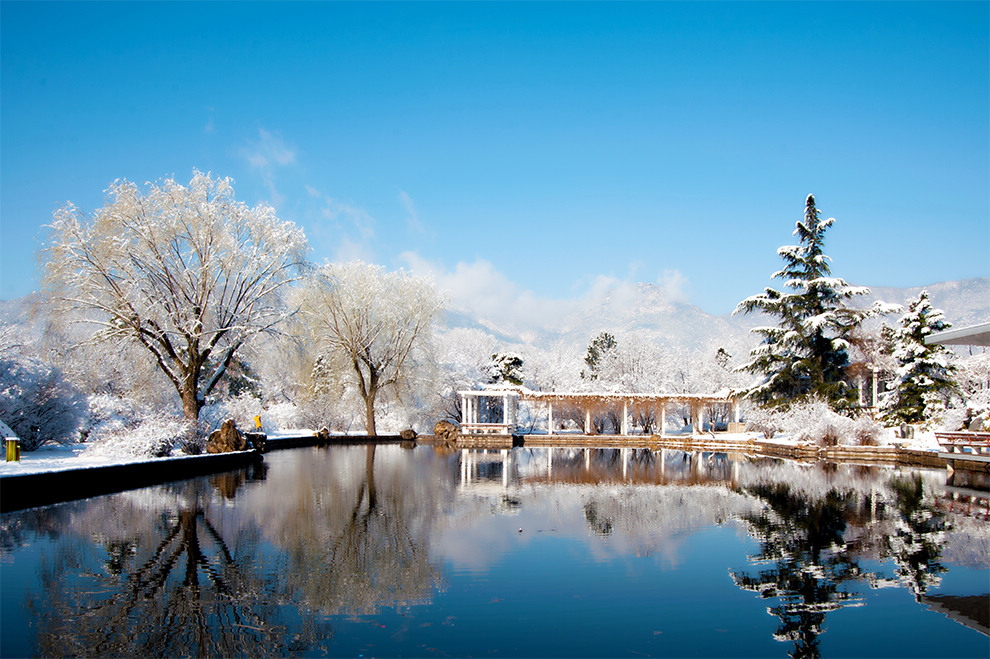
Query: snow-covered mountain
pixel 965 301
pixel 644 309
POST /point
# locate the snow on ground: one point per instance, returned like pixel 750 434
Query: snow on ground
pixel 57 457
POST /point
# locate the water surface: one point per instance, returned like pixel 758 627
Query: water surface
pixel 387 551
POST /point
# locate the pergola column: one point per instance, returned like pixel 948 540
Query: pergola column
pixel 663 417
pixel 873 379
pixel 587 420
pixel 549 417
pixel 625 417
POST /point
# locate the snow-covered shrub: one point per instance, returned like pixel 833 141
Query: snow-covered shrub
pixel 151 437
pixel 866 431
pixel 108 414
pixel 38 404
pixel 816 422
pixel 281 416
pixel 243 408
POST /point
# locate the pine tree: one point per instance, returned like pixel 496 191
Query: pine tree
pixel 505 368
pixel 807 352
pixel 925 377
pixel 600 348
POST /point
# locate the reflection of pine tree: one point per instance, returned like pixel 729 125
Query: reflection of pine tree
pixel 802 545
pixel 916 545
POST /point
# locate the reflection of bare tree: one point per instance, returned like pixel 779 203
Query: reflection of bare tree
pixel 801 542
pixel 169 585
pixel 364 544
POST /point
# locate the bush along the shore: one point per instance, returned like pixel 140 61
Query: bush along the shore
pixel 814 421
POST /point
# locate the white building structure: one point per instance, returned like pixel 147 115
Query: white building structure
pixel 494 411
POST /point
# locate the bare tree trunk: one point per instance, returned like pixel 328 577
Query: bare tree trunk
pixel 369 413
pixel 191 403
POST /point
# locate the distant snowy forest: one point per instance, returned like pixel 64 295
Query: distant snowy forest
pixel 175 307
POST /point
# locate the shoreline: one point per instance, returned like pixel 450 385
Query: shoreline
pixel 30 490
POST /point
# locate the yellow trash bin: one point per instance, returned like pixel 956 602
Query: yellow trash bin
pixel 13 449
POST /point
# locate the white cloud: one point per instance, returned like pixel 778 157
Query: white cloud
pixel 675 286
pixel 480 289
pixel 412 218
pixel 267 153
pixel 352 250
pixel 349 216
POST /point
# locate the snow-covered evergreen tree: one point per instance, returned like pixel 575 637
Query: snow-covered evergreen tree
pixel 505 368
pixel 601 348
pixel 925 376
pixel 807 352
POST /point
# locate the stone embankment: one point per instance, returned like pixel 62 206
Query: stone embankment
pixel 735 443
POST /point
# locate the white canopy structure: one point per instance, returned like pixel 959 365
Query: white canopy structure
pixel 975 335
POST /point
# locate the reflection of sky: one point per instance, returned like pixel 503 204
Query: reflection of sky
pixel 643 521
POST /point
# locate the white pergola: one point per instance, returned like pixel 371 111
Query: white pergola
pixel 588 401
pixel 975 335
pixel 471 423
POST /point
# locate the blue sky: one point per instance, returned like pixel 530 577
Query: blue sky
pixel 534 150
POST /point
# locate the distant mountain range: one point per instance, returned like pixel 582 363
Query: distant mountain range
pixel 644 309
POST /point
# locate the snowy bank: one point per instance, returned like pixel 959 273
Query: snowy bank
pixel 77 481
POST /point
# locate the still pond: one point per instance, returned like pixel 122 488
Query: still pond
pixel 366 551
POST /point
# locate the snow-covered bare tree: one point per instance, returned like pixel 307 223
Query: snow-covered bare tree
pixel 188 272
pixel 925 376
pixel 974 385
pixel 371 323
pixel 555 368
pixel 462 356
pixel 807 352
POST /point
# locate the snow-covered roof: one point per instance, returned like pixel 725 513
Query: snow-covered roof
pixel 975 335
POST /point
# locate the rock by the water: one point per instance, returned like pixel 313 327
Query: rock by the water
pixel 227 439
pixel 446 431
pixel 257 440
pixel 407 435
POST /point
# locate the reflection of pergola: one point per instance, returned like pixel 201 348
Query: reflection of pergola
pixel 472 402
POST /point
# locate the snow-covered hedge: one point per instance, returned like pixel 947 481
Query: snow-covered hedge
pixel 152 437
pixel 813 421
pixel 119 428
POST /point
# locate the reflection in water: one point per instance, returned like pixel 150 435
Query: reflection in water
pixel 264 562
pixel 205 595
pixel 807 563
pixel 361 543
